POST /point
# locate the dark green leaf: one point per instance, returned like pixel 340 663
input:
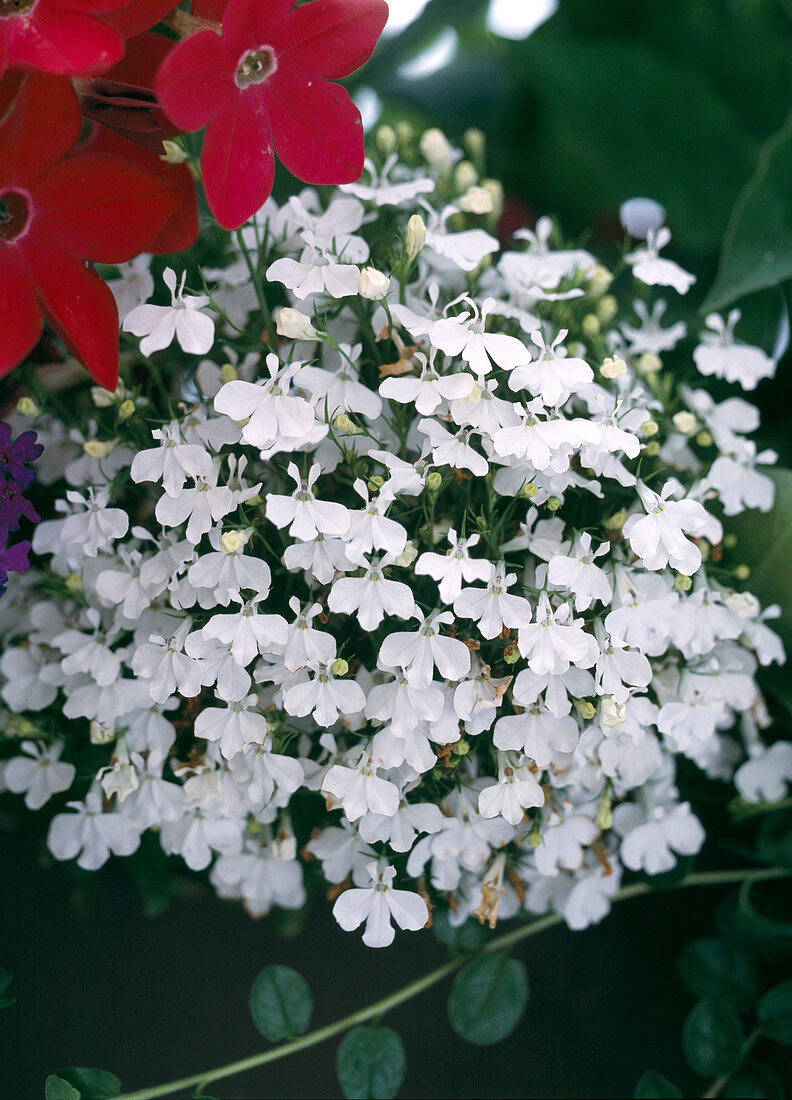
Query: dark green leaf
pixel 764 928
pixel 5 982
pixel 754 1079
pixel 280 1003
pixel 93 1084
pixel 718 967
pixel 460 938
pixel 712 1036
pixel 370 1063
pixel 55 1088
pixel 757 249
pixel 775 838
pixel 775 1013
pixel 488 998
pixel 653 1084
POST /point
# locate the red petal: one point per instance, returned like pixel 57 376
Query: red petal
pixel 79 306
pixel 316 129
pixel 196 80
pixel 43 126
pixel 237 163
pixel 331 38
pixel 64 42
pixel 251 24
pixel 9 88
pixel 20 315
pixel 139 15
pixel 209 9
pixel 180 231
pixel 102 209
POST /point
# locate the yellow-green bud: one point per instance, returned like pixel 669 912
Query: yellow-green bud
pixel 74 583
pixel 730 540
pixel 742 572
pixel 253 825
pixel 433 481
pixel 511 654
pixel 604 817
pixel 613 367
pixel 474 141
pixel 386 140
pixel 528 490
pixel 649 428
pixel 407 556
pixel 494 189
pixel 704 439
pixel 599 280
pixel 126 409
pixel 616 521
pixel 476 200
pixel 591 325
pixel 376 482
pixel 652 448
pixel 343 423
pixel 254 500
pixel 649 363
pixel 554 503
pixel 173 153
pixel 99 448
pixel 101 733
pixel 607 308
pixel 27 407
pixel 461 747
pixel 535 835
pixel 231 541
pixel 415 237
pixel 339 667
pixel 683 583
pixel 585 708
pixel 465 175
pixel 228 373
pixel 436 148
pixel 404 132
pixel 684 422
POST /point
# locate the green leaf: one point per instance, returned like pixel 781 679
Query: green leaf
pixel 460 938
pixel 757 248
pixel 775 1013
pixel 770 932
pixel 488 998
pixel 754 1079
pixel 92 1084
pixel 653 1084
pixel 718 967
pixel 55 1088
pixel 712 1036
pixel 371 1063
pixel 774 842
pixel 280 1003
pixel 5 982
pixel 764 543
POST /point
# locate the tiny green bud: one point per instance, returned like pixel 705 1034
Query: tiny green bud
pixel 704 439
pixel 375 483
pixel 585 708
pixel 649 363
pixel 465 175
pixel 742 572
pixel 27 407
pixel 730 540
pixel 649 428
pixel 415 238
pixel 74 583
pixel 652 448
pixel 461 747
pixel 474 141
pixel 607 308
pixel 591 325
pixel 528 490
pixel 228 373
pixel 99 448
pixel 554 503
pixel 535 835
pixel 511 654
pixel 386 140
pixel 684 422
pixel 343 423
pixel 616 521
pixel 434 480
pixel 126 409
pixel 339 667
pixel 683 583
pixel 604 817
pixel 404 133
pixel 599 281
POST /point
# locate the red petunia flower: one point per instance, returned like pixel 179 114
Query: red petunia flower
pixel 58 214
pixel 139 15
pixel 263 80
pixel 67 37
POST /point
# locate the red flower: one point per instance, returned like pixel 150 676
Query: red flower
pixel 138 15
pixel 67 37
pixel 56 213
pixel 264 81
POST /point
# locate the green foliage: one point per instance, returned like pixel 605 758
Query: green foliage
pixel 717 967
pixel 5 981
pixel 55 1088
pixel 769 933
pixel 775 1013
pixel 754 1079
pixel 488 998
pixel 653 1085
pixel 757 249
pixel 79 1083
pixel 459 938
pixel 371 1063
pixel 712 1037
pixel 774 841
pixel 280 1003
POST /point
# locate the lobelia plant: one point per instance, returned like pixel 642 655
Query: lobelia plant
pixel 401 575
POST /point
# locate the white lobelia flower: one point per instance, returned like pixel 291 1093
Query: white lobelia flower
pixel 233 727
pixel 641 216
pixel 658 538
pixel 384 192
pixel 304 643
pixel 721 355
pixel 651 835
pixel 273 413
pixel 172 462
pixel 95 528
pixel 134 286
pixel 39 774
pixel 321 558
pixel 517 789
pixel 651 336
pixel 492 607
pixel 305 512
pixel 464 337
pixel 553 375
pixel 360 790
pixel 218 666
pixel 340 389
pixel 247 632
pixel 555 640
pixel 182 318
pixel 579 574
pixel 419 652
pixel 324 696
pixel 766 774
pixel 166 668
pixel 401 830
pixel 316 272
pixel 543 737
pixel 201 506
pixel 652 270
pixel 197 833
pixel 91 834
pixel 378 905
pixel 618 668
pixel 372 596
pixel 228 569
pixel 454 567
pixel 370 529
pixel 428 391
pixel 453 450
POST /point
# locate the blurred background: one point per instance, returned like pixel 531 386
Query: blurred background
pixel 584 103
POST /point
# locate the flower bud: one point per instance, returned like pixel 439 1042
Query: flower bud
pixel 27 407
pixel 612 714
pixel 173 152
pixel 228 373
pixel 652 448
pixel 433 481
pixel 404 132
pixel 465 175
pixel 461 747
pixel 339 667
pixel 684 422
pixel 528 490
pixel 641 216
pixel 535 835
pixel 616 521
pixel 372 284
pixel 649 428
pixel 591 327
pixel 511 654
pixel 231 541
pixel 416 236
pixel 476 200
pixel 585 708
pixel 101 733
pixel 437 149
pixel 704 439
pixel 407 556
pixel 613 368
pixel 475 142
pixel 649 363
pixel 103 399
pixel 294 325
pixel 682 583
pixel 554 503
pixel 599 280
pixel 386 140
pixel 730 540
pixel 343 423
pixel 743 604
pixel 742 572
pixel 494 189
pixel 607 308
pixel 74 584
pixel 126 409
pixel 99 448
pixel 604 816
pixel 375 483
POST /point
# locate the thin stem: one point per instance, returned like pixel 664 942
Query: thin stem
pixel 719 1082
pixel 379 1008
pixel 255 278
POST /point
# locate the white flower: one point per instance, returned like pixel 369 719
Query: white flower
pixel 372 596
pixel 492 607
pixel 304 511
pixel 166 667
pixel 92 530
pixel 418 653
pixel 640 217
pixel 272 413
pixel 579 574
pixel 658 538
pixel 91 834
pixel 325 697
pixel 182 318
pixel 233 727
pixel 652 836
pixel 719 354
pixel 39 774
pixel 517 789
pixel 172 462
pixel 373 284
pixel 553 375
pixel 556 640
pixel 378 906
pixel 360 790
pixel 652 270
pixel 766 775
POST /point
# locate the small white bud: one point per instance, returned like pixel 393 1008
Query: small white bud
pixel 294 325
pixel 407 556
pixel 339 667
pixel 684 422
pixel 743 604
pixel 173 153
pixel 126 409
pixel 612 714
pixel 437 149
pixel 613 368
pixel 465 175
pixel 101 732
pixel 99 448
pixel 640 217
pixel 373 284
pixel 415 237
pixel 231 541
pixel 476 200
pixel 386 140
pixel 27 407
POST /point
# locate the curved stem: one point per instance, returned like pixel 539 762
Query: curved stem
pixel 407 992
pixel 719 1082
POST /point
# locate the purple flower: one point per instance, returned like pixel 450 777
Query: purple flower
pixel 14 454
pixel 13 559
pixel 13 505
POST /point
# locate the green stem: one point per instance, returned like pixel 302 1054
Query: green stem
pixel 255 278
pixel 379 1008
pixel 719 1082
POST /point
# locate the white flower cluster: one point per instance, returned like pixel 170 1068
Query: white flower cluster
pixel 433 592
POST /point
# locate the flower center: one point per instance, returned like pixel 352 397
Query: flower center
pixel 14 211
pixel 255 67
pixel 15 7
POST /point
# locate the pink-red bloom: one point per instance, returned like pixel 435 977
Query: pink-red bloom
pixel 67 37
pixel 60 213
pixel 262 81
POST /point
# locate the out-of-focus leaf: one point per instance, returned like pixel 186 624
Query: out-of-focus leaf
pixel 91 1084
pixel 753 1080
pixel 55 1088
pixel 775 1013
pixel 652 1085
pixel 774 842
pixel 488 999
pixel 280 1003
pixel 371 1063
pixel 712 1036
pixel 757 249
pixel 717 967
